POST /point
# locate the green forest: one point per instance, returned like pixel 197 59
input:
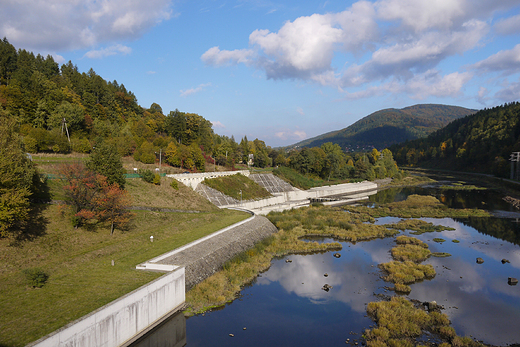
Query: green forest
pixel 62 110
pixel 390 126
pixel 482 142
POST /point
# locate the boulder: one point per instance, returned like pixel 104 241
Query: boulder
pixel 480 260
pixel 505 261
pixel 512 281
pixel 337 255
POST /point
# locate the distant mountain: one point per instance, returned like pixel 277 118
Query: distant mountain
pixel 482 142
pixel 386 127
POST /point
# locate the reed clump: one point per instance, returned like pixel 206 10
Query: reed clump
pixel 411 252
pixel 418 226
pixel 399 323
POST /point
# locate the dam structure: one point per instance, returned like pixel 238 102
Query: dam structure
pixel 285 196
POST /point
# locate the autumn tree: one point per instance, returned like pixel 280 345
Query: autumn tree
pixel 93 199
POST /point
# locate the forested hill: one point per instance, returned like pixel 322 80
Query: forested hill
pixel 37 94
pixel 482 142
pixel 385 127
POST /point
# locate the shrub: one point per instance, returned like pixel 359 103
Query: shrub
pixel 174 184
pixel 36 277
pixel 156 179
pixel 146 175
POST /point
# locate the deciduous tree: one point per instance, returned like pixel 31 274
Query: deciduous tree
pixel 17 179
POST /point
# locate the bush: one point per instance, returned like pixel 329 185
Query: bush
pixel 157 179
pixel 36 277
pixel 146 175
pixel 175 184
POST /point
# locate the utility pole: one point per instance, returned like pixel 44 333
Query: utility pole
pixel 64 124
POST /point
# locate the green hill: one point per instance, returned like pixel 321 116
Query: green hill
pixel 481 142
pixel 389 126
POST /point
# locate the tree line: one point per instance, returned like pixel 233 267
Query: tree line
pixel 482 142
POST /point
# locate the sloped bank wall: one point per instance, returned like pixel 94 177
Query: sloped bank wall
pixel 121 321
pixel 239 239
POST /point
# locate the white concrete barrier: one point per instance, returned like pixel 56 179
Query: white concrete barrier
pixel 193 179
pixel 125 319
pixel 296 197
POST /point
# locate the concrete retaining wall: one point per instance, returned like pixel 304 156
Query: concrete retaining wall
pixel 295 197
pixel 123 320
pixel 193 179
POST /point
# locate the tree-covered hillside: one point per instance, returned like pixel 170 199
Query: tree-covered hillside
pixel 482 142
pixel 383 128
pixel 62 110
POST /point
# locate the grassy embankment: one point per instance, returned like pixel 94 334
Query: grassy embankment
pixel 79 262
pixel 238 187
pixel 294 225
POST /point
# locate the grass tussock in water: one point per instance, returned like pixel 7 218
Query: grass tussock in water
pixel 399 323
pixel 418 226
pixel 406 272
pixel 410 252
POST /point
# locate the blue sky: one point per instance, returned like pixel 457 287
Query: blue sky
pixel 283 71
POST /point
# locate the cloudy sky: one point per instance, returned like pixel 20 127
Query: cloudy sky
pixel 283 71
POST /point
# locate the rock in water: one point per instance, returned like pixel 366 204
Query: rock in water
pixel 326 287
pixel 512 281
pixel 480 260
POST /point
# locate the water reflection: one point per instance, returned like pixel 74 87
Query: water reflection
pixel 171 333
pixel 477 297
pixel 287 306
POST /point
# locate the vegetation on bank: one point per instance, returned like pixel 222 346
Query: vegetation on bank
pixel 238 187
pixel 482 142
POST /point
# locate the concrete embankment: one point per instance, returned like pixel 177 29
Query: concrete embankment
pixel 204 257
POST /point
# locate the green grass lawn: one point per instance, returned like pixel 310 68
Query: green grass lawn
pixel 79 261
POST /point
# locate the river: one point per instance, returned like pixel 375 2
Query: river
pixel 286 305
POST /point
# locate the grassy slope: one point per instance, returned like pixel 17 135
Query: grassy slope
pixel 234 184
pixel 79 261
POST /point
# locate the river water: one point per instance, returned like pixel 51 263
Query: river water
pixel 286 305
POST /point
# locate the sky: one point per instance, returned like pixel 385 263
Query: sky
pixel 282 71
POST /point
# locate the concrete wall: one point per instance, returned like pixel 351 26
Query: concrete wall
pixel 124 319
pixel 193 179
pixel 295 197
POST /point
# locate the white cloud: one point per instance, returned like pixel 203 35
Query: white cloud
pixel 505 61
pixel 508 26
pixel 392 46
pixel 55 25
pixel 214 56
pixel 422 15
pixel 509 92
pixel 300 111
pixel 293 135
pixel 105 52
pixel 217 124
pixel 200 88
